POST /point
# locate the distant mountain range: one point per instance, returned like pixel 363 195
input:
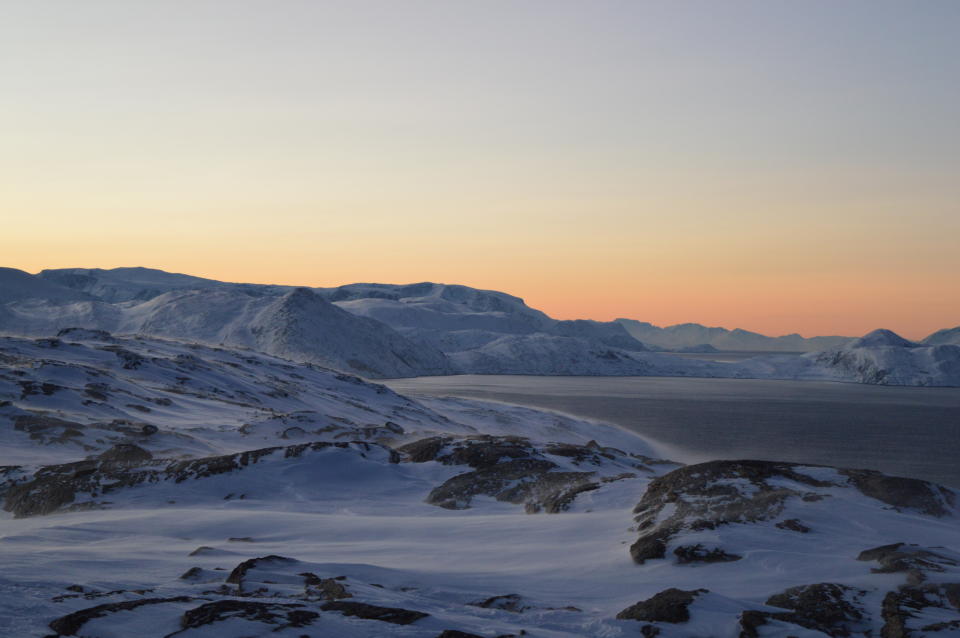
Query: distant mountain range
pixel 384 330
pixel 692 335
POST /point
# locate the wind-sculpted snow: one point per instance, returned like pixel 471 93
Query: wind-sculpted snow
pixel 78 394
pixel 159 489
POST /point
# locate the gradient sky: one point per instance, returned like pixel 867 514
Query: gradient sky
pixel 781 166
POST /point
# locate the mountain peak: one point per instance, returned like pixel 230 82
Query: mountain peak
pixel 881 337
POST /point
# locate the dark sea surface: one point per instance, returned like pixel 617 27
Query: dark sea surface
pixel 902 431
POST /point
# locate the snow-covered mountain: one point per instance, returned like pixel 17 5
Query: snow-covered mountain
pixel 384 331
pixel 375 330
pixel 296 323
pixel 457 318
pixel 17 285
pixel 299 325
pixel 159 489
pixel 691 335
pixel 881 357
pixel 141 284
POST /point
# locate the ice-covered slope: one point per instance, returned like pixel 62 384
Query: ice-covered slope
pixel 158 489
pixel 688 335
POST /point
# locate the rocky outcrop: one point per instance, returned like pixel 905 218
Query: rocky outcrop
pixel 670 606
pixel 921 610
pixel 710 495
pixel 125 453
pixel 393 615
pixel 70 624
pixel 512 470
pixel 912 560
pixel 834 609
pixel 903 493
pixel 55 487
pixel 283 615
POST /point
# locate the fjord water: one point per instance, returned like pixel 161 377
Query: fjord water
pixel 903 431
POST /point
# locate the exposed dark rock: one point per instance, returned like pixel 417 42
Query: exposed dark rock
pixel 193 573
pixel 828 607
pixel 31 388
pixel 295 432
pixel 750 620
pixel 56 486
pixel 794 525
pixel 70 624
pixel 484 451
pixel 670 605
pixel 651 546
pixel 392 615
pixel 200 551
pixel 396 428
pixel 423 450
pixel 699 554
pixel 238 573
pixel 706 499
pixel 903 493
pixel 325 588
pixel 128 360
pixel 521 481
pixel 709 495
pixel 512 470
pixel 284 614
pixel 40 423
pixel 453 633
pixel 506 602
pixel 913 560
pixel 912 601
pixel 125 453
pixel 86 334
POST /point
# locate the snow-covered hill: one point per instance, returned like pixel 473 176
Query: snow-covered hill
pixel 947 336
pixel 159 489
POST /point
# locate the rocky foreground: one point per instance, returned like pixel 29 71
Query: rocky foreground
pixel 155 488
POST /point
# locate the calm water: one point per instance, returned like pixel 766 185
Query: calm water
pixel 903 431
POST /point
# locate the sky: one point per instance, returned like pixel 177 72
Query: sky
pixel 773 165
